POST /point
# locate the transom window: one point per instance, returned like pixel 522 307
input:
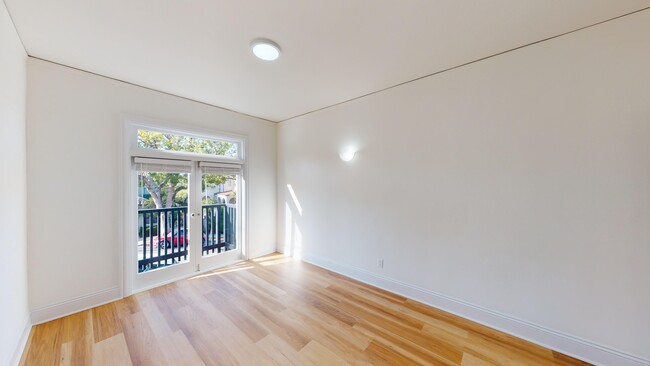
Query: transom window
pixel 156 140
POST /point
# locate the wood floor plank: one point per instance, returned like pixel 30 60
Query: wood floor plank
pixel 318 354
pixel 105 322
pixel 435 326
pixel 471 360
pixel 242 320
pixel 567 359
pixel 274 310
pixel 377 308
pixel 26 351
pixel 341 340
pixel 382 355
pixel 111 352
pixel 327 306
pixel 347 281
pixel 66 354
pixel 45 345
pixel 278 325
pixel 499 337
pixel 77 336
pixel 159 322
pixel 478 345
pixel 320 324
pixel 141 341
pixel 127 306
pixel 262 285
pixel 374 322
pixel 281 352
pixel 395 341
pixel 178 350
pixel 254 292
pixel 200 335
pixel 243 349
pixel 168 298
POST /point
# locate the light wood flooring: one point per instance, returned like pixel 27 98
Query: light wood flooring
pixel 274 310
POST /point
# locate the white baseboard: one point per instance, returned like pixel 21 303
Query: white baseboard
pixel 51 312
pixel 262 253
pixel 22 342
pixel 47 313
pixel 560 342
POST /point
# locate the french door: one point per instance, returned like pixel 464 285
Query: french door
pixel 188 218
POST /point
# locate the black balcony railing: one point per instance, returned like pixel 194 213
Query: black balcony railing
pixel 219 228
pixel 163 234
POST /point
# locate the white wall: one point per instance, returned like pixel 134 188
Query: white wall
pixel 74 178
pixel 519 184
pixel 14 313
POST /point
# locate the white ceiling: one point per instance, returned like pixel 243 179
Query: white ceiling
pixel 333 50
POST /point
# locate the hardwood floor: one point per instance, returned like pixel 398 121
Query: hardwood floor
pixel 274 310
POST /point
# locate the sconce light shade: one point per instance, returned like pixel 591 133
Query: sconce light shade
pixel 347 155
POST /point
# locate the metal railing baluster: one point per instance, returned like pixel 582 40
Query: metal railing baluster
pixel 170 225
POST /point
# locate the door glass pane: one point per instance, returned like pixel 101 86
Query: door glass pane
pixel 219 212
pixel 162 219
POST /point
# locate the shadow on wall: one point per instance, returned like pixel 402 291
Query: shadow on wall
pixel 292 245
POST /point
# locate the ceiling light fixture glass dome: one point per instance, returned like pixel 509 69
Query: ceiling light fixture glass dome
pixel 347 155
pixel 265 49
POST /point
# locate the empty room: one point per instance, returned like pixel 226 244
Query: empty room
pixel 325 182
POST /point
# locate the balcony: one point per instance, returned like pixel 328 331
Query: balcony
pixel 163 239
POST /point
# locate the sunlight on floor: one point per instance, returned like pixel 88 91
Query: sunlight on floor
pixel 222 271
pixel 273 259
pixel 269 257
pixel 277 261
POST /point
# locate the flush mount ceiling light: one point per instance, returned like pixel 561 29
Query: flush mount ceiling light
pixel 265 49
pixel 347 155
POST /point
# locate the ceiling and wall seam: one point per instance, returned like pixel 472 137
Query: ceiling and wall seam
pixel 15 28
pixel 467 64
pixel 152 89
pixel 342 102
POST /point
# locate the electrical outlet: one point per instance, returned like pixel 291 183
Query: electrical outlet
pixel 380 263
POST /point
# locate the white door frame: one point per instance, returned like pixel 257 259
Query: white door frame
pixel 128 219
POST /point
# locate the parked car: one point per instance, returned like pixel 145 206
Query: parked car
pixel 178 239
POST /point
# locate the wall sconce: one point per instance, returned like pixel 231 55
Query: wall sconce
pixel 347 155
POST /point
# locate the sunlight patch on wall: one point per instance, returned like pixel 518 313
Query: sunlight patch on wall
pixel 295 199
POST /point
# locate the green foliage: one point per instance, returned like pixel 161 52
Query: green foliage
pixel 208 201
pixel 171 142
pixel 161 185
pixel 181 198
pixel 149 203
pixel 210 180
